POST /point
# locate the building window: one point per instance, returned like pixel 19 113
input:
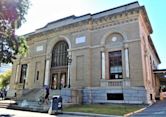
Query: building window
pixel 37 76
pixel 115 63
pixel 59 55
pixel 115 96
pixel 23 73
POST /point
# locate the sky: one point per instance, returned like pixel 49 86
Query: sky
pixel 42 12
pixel 5 67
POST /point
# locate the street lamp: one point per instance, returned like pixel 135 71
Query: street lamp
pixel 69 64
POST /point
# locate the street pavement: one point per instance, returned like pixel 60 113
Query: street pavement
pixel 16 113
pixel 156 110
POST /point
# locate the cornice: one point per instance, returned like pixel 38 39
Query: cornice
pixel 93 24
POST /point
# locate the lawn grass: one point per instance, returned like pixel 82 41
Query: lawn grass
pixel 110 109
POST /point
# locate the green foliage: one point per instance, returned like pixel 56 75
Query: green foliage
pixel 23 47
pixel 14 11
pixel 12 15
pixel 5 78
pixel 18 46
pixel 23 6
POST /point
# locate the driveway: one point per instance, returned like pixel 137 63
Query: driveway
pixel 156 110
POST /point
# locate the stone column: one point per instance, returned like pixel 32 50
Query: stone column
pixel 126 80
pixel 68 71
pixel 47 73
pixel 27 75
pixel 127 62
pixel 17 73
pixel 103 64
pixel 68 76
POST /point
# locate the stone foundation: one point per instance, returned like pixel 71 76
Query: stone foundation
pixel 132 95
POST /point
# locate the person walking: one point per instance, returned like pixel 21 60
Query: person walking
pixel 47 94
pixel 1 94
pixel 4 92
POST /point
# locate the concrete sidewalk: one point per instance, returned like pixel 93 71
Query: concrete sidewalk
pixel 11 104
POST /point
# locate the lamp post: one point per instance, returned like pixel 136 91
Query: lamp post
pixel 69 64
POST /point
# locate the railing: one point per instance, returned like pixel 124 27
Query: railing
pixel 115 83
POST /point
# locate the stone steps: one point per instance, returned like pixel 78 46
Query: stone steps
pixel 34 94
pixel 6 103
pixel 29 101
pixel 33 106
pixel 31 94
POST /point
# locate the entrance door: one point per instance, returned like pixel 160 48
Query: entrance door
pixel 54 82
pixel 23 74
pixel 59 80
pixel 63 80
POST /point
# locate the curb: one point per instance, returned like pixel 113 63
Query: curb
pixel 89 114
pixel 137 111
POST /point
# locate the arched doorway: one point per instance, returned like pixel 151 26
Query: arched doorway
pixel 59 65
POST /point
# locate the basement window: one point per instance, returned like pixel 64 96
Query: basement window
pixel 115 96
pixel 151 97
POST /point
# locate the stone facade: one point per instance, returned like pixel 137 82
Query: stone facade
pixel 91 38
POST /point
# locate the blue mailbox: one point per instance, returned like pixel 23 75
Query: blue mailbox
pixel 56 103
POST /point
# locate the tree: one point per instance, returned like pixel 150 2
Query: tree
pixel 12 15
pixel 23 47
pixel 5 78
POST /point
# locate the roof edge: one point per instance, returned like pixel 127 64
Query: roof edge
pixel 148 24
pixel 131 5
pixel 154 49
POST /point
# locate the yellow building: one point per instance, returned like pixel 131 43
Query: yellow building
pixel 106 57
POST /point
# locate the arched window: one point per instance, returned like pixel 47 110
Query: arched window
pixel 59 54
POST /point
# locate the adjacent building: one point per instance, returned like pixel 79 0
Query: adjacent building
pixel 106 57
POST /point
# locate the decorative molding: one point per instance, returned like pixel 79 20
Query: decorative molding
pixel 126 46
pixel 111 32
pixel 67 40
pixel 105 21
pixel 55 40
pixel 133 40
